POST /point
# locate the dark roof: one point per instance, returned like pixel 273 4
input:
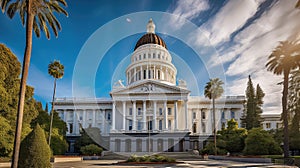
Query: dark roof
pixel 150 38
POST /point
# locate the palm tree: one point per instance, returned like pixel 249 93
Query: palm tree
pixel 284 58
pixel 56 70
pixel 214 90
pixel 298 4
pixel 36 14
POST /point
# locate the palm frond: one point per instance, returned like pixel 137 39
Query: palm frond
pixel 12 9
pixel 51 23
pixel 3 4
pixel 36 28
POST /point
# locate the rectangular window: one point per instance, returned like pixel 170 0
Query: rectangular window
pixel 139 125
pixel 223 115
pixel 203 114
pixel 130 111
pixel 90 115
pixel 169 111
pixel 169 124
pixel 194 127
pixel 160 125
pixel 139 111
pixel 149 55
pixel 160 111
pixel 232 113
pixel 268 125
pixel 70 128
pixel 145 73
pixel 129 124
pixel 154 55
pixel 203 128
pixel 144 56
pixel 140 57
pixel 158 56
pixel 108 116
pixel 194 115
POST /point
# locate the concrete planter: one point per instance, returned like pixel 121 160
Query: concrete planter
pixel 66 159
pixel 90 157
pixel 242 159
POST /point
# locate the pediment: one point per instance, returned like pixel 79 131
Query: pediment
pixel 150 87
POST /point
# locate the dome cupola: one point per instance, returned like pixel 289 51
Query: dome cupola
pixel 150 37
pixel 151 60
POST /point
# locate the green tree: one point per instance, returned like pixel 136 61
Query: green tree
pixel 259 105
pixel 284 58
pixel 249 111
pixel 294 108
pixel 58 144
pixel 214 90
pixel 6 138
pixel 254 102
pixel 34 150
pixel 233 135
pixel 56 70
pixel 260 142
pixel 36 14
pixel 9 88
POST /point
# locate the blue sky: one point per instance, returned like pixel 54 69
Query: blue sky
pixel 227 39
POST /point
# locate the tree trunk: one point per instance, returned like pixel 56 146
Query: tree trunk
pixel 285 114
pixel 215 129
pixel 52 111
pixel 22 91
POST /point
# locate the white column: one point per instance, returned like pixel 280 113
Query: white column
pixel 147 73
pixel 154 115
pixel 74 122
pixel 186 114
pixel 142 73
pixel 154 73
pixel 94 118
pixel 165 115
pixel 113 116
pixel 176 115
pixel 129 77
pixel 144 116
pixel 103 120
pixel 134 116
pixel 124 115
pixel 84 119
pixel 134 77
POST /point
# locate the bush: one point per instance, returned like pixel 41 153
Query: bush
pixel 153 158
pixel 91 150
pixel 34 150
pixel 210 149
pixel 260 142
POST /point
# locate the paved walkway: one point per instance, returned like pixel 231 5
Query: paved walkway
pixel 186 163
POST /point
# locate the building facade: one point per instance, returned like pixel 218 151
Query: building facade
pixel 152 112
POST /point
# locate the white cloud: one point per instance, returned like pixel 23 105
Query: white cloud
pixel 190 9
pixel 187 9
pixel 230 18
pixel 255 44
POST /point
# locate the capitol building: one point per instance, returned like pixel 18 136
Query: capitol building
pixel 153 111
